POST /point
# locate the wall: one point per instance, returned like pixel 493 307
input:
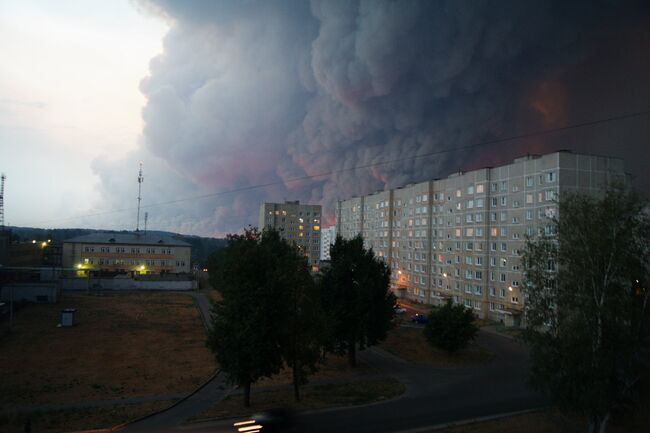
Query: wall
pixel 41 293
pixel 125 284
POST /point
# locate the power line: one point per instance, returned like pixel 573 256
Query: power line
pixel 375 164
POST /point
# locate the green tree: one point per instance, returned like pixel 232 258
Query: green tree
pixel 450 327
pixel 302 324
pixel 587 317
pixel 245 335
pixel 356 298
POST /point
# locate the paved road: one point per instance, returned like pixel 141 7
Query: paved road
pixel 437 396
pixel 433 396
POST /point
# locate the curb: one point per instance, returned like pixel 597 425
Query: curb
pixel 471 421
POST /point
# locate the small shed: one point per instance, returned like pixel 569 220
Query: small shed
pixel 67 316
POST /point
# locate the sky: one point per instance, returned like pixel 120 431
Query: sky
pixel 218 98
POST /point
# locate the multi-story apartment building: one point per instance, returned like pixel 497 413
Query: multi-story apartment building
pixel 327 239
pixel 461 237
pixel 297 223
pixel 127 252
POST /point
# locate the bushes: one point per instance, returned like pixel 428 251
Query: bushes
pixel 450 327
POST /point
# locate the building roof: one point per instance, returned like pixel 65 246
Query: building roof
pixel 131 238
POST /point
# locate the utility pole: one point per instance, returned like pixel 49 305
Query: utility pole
pixel 140 180
pixel 2 202
pixel 146 215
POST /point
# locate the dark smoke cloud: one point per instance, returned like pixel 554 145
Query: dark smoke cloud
pixel 252 92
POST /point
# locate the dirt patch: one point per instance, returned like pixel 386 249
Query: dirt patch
pixel 84 419
pixel 313 397
pixel 123 345
pixel 410 344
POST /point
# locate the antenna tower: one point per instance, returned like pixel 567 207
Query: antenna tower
pixel 140 180
pixel 146 215
pixel 2 201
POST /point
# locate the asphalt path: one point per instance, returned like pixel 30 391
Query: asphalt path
pixel 433 396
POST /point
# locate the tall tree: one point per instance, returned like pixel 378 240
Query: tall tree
pixel 302 324
pixel 356 297
pixel 245 335
pixel 586 306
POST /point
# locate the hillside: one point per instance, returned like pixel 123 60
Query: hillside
pixel 201 247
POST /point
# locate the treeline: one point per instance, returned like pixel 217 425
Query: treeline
pixel 275 314
pixel 202 247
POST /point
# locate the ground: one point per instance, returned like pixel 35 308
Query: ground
pixel 123 345
pixel 409 343
pixel 334 384
pixel 550 421
pixel 317 396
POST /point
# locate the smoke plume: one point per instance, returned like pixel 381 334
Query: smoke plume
pixel 263 92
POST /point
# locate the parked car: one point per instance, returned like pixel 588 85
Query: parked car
pixel 399 309
pixel 419 318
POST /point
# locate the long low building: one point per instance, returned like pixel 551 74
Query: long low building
pixel 127 252
pixel 462 237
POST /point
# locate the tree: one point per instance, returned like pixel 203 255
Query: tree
pixel 450 327
pixel 302 324
pixel 268 316
pixel 356 298
pixel 587 318
pixel 245 335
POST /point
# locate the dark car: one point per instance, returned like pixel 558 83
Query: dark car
pixel 419 318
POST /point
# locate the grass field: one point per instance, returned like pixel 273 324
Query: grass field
pixel 410 344
pixel 75 420
pixel 123 345
pixel 333 367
